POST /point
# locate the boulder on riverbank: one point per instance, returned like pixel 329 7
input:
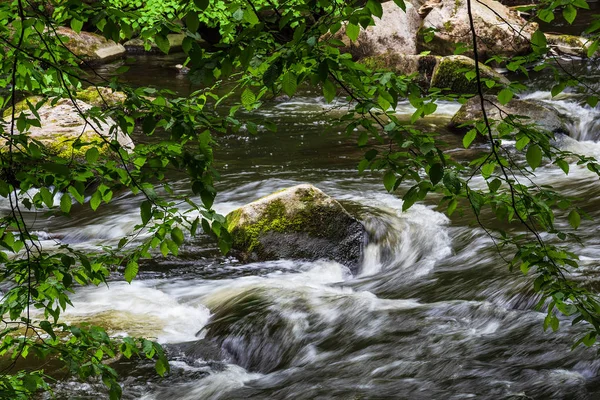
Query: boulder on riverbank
pixel 395 32
pixel 500 31
pixel 137 45
pixel 441 72
pixel 91 47
pixel 300 222
pixel 65 133
pixel 451 72
pixel 101 97
pixel 543 115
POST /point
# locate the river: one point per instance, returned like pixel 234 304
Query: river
pixel 434 312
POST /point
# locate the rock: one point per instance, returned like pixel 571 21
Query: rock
pixel 395 32
pixel 300 222
pixel 91 47
pixel 435 71
pixel 62 127
pixel 102 97
pixel 568 44
pixel 542 114
pixel 500 31
pixel 137 45
pixel 402 64
pixel 450 73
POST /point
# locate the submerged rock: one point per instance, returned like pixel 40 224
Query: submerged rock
pixel 395 32
pixel 500 31
pixel 542 114
pixel 91 47
pixel 65 133
pixel 300 222
pixel 450 73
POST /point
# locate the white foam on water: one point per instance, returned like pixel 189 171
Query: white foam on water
pixel 139 306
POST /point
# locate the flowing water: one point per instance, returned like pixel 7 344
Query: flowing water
pixel 433 313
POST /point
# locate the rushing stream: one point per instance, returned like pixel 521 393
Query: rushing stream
pixel 433 313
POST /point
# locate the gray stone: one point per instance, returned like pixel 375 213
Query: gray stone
pixel 300 222
pixel 62 125
pixel 395 32
pixel 91 47
pixel 500 31
pixel 543 115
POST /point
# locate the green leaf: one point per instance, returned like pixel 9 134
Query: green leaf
pixel 469 137
pixel 534 156
pixel 248 99
pixel 146 211
pixel 538 41
pixel 96 200
pixel 569 13
pixel 131 270
pixel 401 4
pixel 177 236
pixel 574 219
pixel 375 7
pixel 65 203
pixel 352 31
pixel 47 197
pixel 522 143
pixel 161 366
pixel 162 42
pixel 289 84
pixel 562 164
pixel 452 182
pixel 436 173
pixel 546 15
pixel 593 47
pixel 488 169
pixel 76 25
pixel 92 155
pixel 505 96
pixel 202 4
pixel 329 91
pixel 389 180
pixel 192 22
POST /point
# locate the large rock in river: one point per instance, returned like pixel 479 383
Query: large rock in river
pixel 395 32
pixel 500 31
pixel 542 114
pixel 64 132
pixel 451 72
pixel 300 222
pixel 91 47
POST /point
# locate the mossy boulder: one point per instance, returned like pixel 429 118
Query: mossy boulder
pixel 300 222
pixel 451 72
pixel 543 115
pixel 500 31
pixel 101 97
pixel 395 32
pixel 91 47
pixel 405 64
pixel 64 132
pixel 137 45
pixel 568 45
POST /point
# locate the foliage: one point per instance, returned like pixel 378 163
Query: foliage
pixel 266 48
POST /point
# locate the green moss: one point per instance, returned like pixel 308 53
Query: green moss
pixel 450 73
pixel 21 106
pixel 274 219
pixel 101 97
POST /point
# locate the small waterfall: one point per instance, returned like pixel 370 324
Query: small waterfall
pixel 584 121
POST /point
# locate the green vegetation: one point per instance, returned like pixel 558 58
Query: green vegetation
pixel 265 49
